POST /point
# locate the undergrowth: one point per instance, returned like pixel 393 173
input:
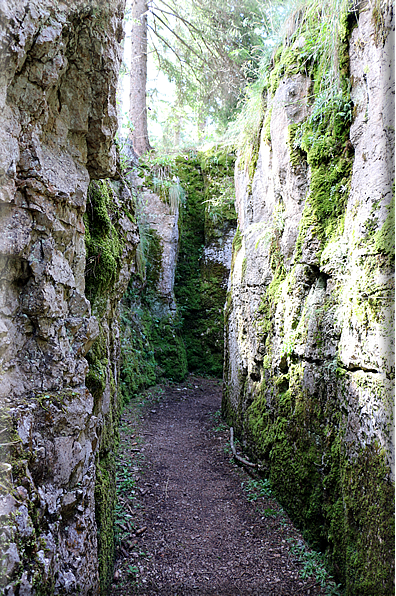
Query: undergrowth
pixel 257 489
pixel 314 565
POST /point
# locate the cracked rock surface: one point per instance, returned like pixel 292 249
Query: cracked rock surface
pixel 58 73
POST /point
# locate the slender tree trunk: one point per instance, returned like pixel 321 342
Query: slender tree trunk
pixel 178 127
pixel 137 97
pixel 201 126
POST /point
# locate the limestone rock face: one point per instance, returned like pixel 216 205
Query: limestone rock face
pixel 309 366
pixel 161 218
pixel 59 67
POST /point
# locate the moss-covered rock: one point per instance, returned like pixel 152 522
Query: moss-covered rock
pixel 207 220
pixel 111 241
pixel 309 350
pixel 103 242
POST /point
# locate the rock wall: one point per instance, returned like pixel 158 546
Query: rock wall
pixel 163 219
pixel 309 364
pixel 207 226
pixel 175 311
pixel 59 66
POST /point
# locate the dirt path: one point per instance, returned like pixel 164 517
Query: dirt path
pixel 186 526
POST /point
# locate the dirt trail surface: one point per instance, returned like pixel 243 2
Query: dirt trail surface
pixel 185 523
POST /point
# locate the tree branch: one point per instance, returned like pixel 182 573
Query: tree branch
pixel 238 457
pixel 182 40
pixel 177 15
pixel 182 62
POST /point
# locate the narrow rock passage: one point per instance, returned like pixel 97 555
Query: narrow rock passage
pixel 186 524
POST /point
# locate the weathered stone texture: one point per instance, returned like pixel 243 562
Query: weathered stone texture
pixel 58 69
pixel 160 217
pixel 309 363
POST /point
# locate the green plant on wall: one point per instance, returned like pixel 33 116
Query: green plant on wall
pixel 293 415
pixel 200 284
pixel 160 174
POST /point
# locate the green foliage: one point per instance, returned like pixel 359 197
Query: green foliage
pixel 126 489
pixel 159 173
pixel 188 271
pixel 313 41
pixel 163 331
pixel 314 565
pixel 210 51
pixel 365 495
pixel 133 570
pixel 269 512
pixel 218 421
pixel 243 134
pixel 218 175
pixel 257 489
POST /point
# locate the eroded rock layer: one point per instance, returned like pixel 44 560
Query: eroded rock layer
pixel 59 67
pixel 309 368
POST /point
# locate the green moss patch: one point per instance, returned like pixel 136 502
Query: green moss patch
pixel 103 242
pixel 200 285
pixel 324 139
pixel 385 238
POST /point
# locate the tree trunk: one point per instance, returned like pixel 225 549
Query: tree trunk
pixel 201 122
pixel 178 127
pixel 137 97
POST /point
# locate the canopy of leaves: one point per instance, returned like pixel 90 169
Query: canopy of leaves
pixel 210 49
